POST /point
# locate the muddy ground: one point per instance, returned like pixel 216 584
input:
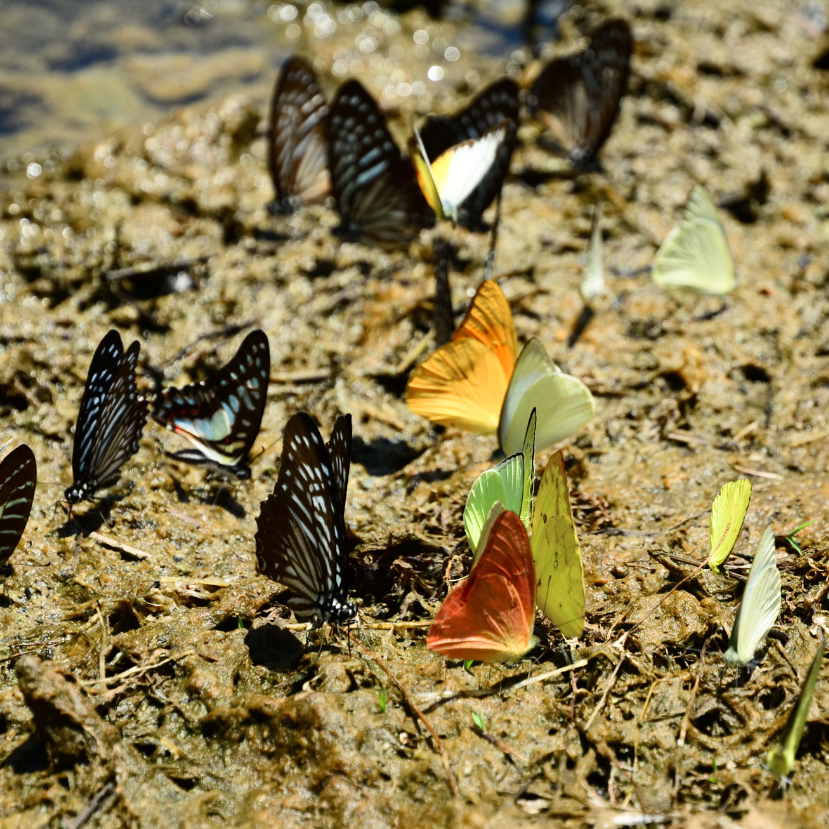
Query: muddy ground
pixel 149 675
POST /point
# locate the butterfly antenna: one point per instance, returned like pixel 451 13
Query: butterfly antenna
pixel 493 239
pixel 443 319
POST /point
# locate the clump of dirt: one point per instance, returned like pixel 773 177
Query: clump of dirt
pixel 150 675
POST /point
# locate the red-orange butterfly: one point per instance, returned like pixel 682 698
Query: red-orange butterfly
pixel 489 617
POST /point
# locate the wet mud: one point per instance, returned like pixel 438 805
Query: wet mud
pixel 150 676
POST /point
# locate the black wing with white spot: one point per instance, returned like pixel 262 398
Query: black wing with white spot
pixel 578 96
pixel 375 189
pixel 300 537
pixel 299 137
pixel 221 416
pixel 495 104
pixel 18 476
pixel 110 421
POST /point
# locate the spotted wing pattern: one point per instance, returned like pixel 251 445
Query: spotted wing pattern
pixel 110 420
pixel 300 537
pixel 299 137
pixel 496 103
pixel 221 415
pixel 578 96
pixel 18 476
pixel 375 189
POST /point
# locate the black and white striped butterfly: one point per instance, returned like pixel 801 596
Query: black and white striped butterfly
pixel 110 420
pixel 496 104
pixel 299 137
pixel 221 415
pixel 18 476
pixel 300 537
pixel 578 96
pixel 375 188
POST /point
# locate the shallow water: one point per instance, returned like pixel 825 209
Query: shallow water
pixel 73 71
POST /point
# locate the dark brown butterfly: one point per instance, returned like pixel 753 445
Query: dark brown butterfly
pixel 375 188
pixel 578 96
pixel 300 536
pixel 495 104
pixel 18 476
pixel 299 137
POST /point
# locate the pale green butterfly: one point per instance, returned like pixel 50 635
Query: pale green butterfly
pixel 511 483
pixel 760 606
pixel 695 254
pixel 592 281
pixel 781 758
pixel 727 515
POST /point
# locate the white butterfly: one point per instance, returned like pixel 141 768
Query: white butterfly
pixel 592 282
pixel 760 606
pixel 695 255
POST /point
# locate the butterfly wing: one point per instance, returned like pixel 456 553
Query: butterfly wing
pixel 18 476
pixel 494 105
pixel 490 616
pixel 559 571
pixel 502 484
pixel 459 171
pixel 221 416
pixel 464 382
pixel 695 254
pixel 760 606
pixel 300 537
pixel 578 96
pixel 375 189
pixel 110 421
pixel 781 758
pixel 121 423
pixel 299 136
pixel 339 450
pixel 592 283
pixel 102 370
pixel 727 515
pixel 563 402
pixel 528 452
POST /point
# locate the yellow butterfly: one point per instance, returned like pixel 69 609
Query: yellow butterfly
pixel 478 381
pixel 727 515
pixel 559 572
pixel 695 254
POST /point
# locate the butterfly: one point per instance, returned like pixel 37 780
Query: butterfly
pixel 727 515
pixel 18 476
pixel 559 570
pixel 510 483
pixel 299 137
pixel 300 536
pixel 478 381
pixel 471 153
pixel 221 416
pixel 592 283
pixel 578 96
pixel 781 758
pixel 695 254
pixel 490 616
pixel 375 189
pixel 760 606
pixel 452 177
pixel 110 420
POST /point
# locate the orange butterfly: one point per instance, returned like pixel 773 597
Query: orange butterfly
pixel 479 382
pixel 489 617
